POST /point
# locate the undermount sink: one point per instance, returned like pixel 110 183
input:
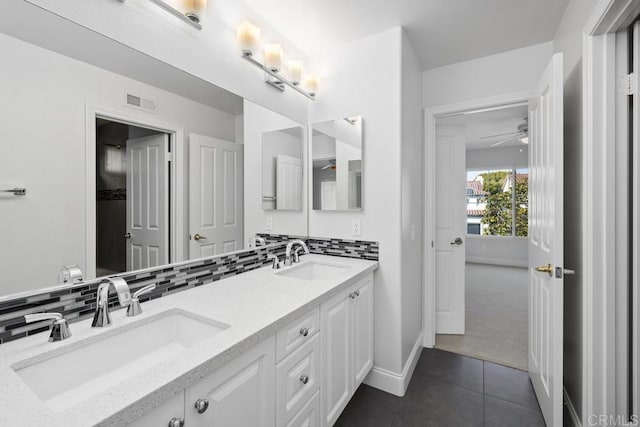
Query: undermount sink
pixel 66 379
pixel 313 270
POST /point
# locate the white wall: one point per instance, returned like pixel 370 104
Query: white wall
pixel 497 250
pixel 509 72
pixel 356 82
pixel 412 193
pixel 211 54
pixel 568 40
pixel 45 95
pixel 258 120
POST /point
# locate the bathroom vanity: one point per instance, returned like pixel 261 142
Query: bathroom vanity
pixel 284 347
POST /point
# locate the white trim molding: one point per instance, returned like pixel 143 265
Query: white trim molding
pixel 176 184
pixel 600 258
pixel 391 382
pixel 429 317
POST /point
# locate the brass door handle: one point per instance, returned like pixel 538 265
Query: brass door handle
pixel 127 236
pixel 198 237
pixel 545 269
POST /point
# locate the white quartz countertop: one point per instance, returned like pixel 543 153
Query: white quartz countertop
pixel 255 305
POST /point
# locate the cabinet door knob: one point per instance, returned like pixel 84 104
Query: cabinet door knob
pixel 352 295
pixel 201 405
pixel 357 293
pixel 304 379
pixel 304 332
pixel 176 422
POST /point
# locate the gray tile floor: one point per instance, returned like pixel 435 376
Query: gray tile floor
pixel 449 390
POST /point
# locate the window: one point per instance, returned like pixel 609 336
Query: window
pixel 497 202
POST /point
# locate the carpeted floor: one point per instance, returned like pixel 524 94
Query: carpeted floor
pixel 496 316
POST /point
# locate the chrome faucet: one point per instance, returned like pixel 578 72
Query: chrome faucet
pixel 275 264
pixel 289 259
pixel 60 330
pixel 101 317
pixel 256 241
pixel 70 274
pixel 135 308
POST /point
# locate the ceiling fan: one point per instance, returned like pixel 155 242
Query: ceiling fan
pixel 331 165
pixel 521 134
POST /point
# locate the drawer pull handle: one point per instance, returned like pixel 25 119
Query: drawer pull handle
pixel 352 295
pixel 304 332
pixel 201 405
pixel 304 379
pixel 357 293
pixel 176 422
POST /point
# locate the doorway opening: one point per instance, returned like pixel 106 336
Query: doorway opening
pixel 482 310
pixel 132 214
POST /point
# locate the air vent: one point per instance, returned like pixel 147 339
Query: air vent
pixel 140 103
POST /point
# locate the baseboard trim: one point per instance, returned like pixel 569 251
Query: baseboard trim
pixel 505 262
pixel 391 382
pixel 575 419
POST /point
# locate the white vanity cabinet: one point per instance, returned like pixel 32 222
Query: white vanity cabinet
pixel 346 321
pixel 241 393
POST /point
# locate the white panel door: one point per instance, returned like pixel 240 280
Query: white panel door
pixel 450 229
pixel 328 195
pixel 147 202
pixel 336 357
pixel 288 183
pixel 240 393
pixel 362 330
pixel 546 241
pixel 216 201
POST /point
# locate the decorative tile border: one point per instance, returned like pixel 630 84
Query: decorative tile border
pixel 336 247
pixel 77 302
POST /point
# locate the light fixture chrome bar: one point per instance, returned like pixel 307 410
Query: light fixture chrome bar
pixel 175 13
pixel 278 81
pixel 15 191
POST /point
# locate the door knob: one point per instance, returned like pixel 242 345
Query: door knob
pixel 127 236
pixel 304 379
pixel 176 422
pixel 545 269
pixel 201 405
pixel 458 241
pixel 198 237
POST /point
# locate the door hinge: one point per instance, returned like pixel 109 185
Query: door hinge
pixel 629 85
pixel 169 157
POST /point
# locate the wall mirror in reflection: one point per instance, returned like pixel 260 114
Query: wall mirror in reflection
pixel 282 170
pixel 337 164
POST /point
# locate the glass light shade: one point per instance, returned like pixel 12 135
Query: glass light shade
pixel 248 37
pixel 312 83
pixel 295 72
pixel 273 55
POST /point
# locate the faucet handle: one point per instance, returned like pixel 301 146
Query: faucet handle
pixel 296 254
pixel 70 274
pixel 135 308
pixel 60 330
pixel 275 261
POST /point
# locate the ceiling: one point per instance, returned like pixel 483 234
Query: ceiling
pixel 482 124
pixel 442 32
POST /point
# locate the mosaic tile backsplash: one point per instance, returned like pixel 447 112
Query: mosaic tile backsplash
pixel 328 246
pixel 77 302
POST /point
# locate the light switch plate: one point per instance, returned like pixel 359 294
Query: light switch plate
pixel 356 229
pixel 269 223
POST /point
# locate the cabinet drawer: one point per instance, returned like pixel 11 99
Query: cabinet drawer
pixel 297 379
pixel 309 415
pixel 296 333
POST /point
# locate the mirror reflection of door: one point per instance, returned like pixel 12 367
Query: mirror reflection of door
pixel 132 228
pixel 337 158
pixel 282 172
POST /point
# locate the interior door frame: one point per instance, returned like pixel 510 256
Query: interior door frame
pixel 429 300
pixel 176 182
pixel 602 370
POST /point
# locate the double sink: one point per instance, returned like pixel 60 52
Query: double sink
pixel 70 375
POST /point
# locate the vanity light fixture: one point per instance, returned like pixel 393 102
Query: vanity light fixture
pixel 248 36
pixel 195 10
